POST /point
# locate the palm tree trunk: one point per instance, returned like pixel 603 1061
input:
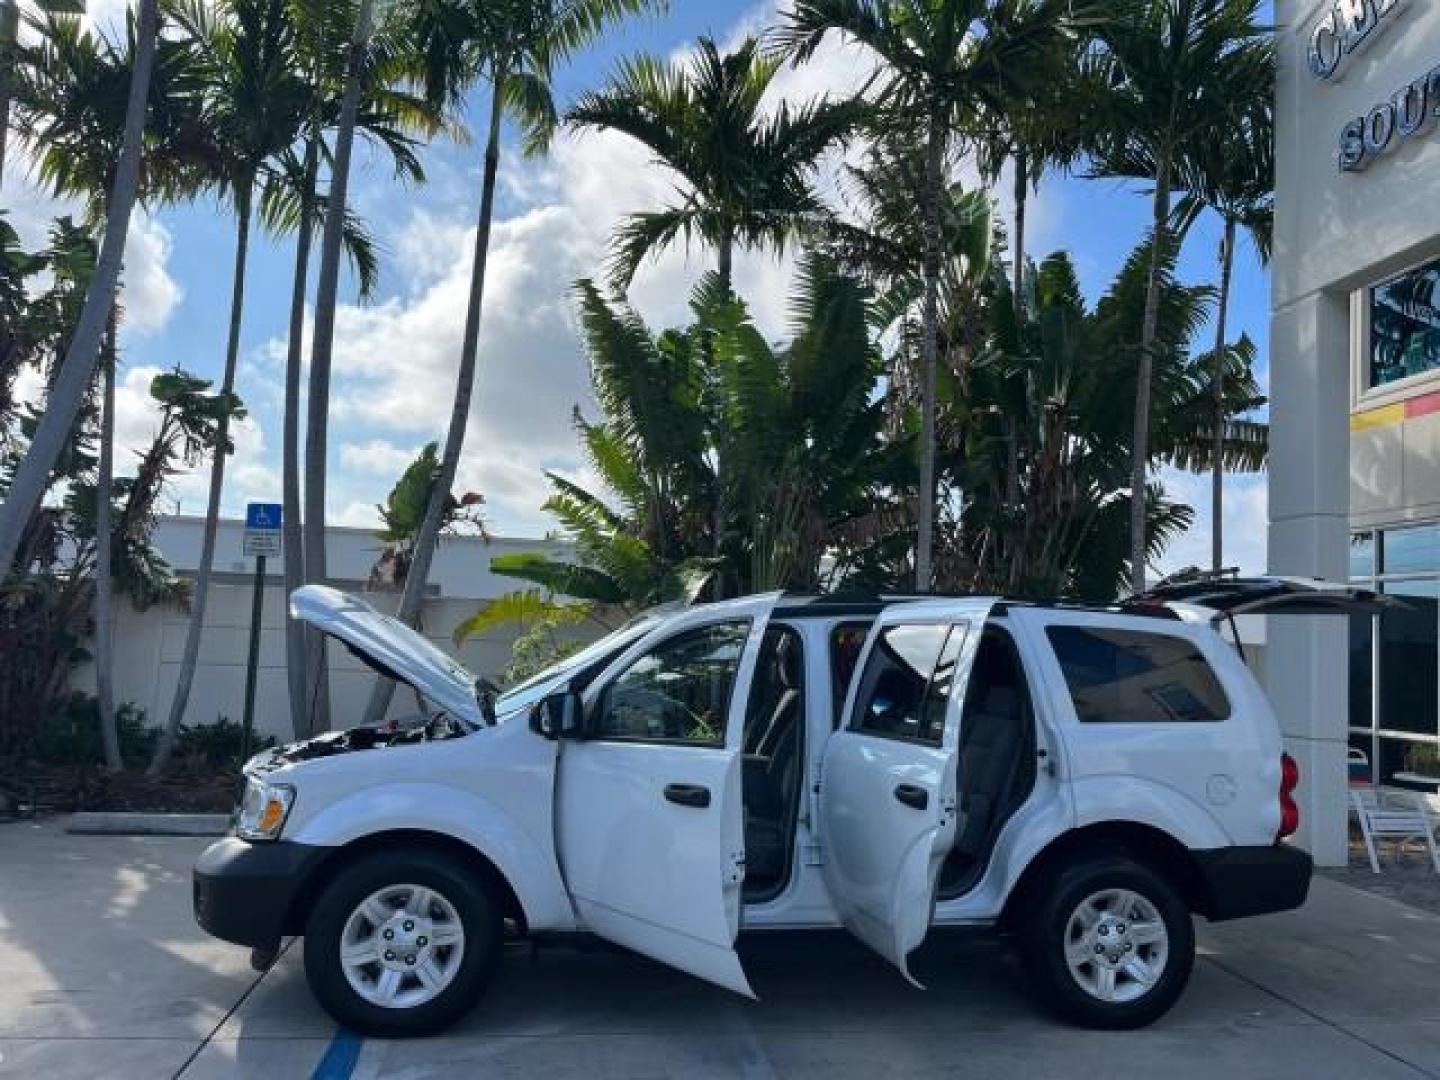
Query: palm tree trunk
pixel 317 690
pixel 424 550
pixel 78 370
pixel 104 660
pixel 1022 190
pixel 290 466
pixel 1217 464
pixel 929 331
pixel 725 258
pixel 191 655
pixel 9 30
pixel 1140 448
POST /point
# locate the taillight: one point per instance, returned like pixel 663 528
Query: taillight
pixel 1289 811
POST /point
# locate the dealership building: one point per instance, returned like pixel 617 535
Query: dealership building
pixel 1355 389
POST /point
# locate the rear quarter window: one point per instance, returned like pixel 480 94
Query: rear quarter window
pixel 1123 676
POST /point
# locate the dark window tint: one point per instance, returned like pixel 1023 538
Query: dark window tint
pixel 1405 326
pixel 1129 677
pixel 846 642
pixel 894 697
pixel 679 691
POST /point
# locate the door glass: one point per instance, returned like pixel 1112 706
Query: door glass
pixel 847 641
pixel 1411 551
pixel 893 689
pixel 1408 655
pixel 678 692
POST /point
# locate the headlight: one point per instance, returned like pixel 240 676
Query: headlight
pixel 264 809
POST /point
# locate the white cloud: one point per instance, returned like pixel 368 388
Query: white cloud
pixel 1246 514
pixel 377 457
pixel 149 294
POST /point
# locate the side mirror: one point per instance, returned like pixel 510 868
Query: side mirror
pixel 558 715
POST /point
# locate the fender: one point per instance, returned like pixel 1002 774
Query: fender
pixel 1146 802
pixel 526 864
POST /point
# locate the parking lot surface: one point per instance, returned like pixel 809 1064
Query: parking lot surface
pixel 103 973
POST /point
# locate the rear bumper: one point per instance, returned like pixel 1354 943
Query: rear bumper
pixel 1241 881
pixel 246 892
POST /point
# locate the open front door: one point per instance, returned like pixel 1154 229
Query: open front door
pixel 888 783
pixel 649 818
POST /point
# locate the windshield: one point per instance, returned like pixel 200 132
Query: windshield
pixel 579 667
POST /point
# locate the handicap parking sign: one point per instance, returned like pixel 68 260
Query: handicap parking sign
pixel 262 529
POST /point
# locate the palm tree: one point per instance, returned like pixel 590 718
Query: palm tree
pixel 942 63
pixel 1040 128
pixel 70 389
pixel 69 83
pixel 514 45
pixel 254 103
pixel 1172 69
pixel 1061 398
pixel 1233 173
pixel 317 680
pixel 386 116
pixel 748 170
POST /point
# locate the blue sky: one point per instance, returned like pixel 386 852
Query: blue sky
pixel 395 357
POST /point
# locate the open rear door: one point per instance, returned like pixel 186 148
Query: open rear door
pixel 1222 597
pixel 649 816
pixel 888 782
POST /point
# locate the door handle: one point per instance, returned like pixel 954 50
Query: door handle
pixel 688 795
pixel 911 795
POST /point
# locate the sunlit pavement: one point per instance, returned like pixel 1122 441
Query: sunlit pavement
pixel 104 974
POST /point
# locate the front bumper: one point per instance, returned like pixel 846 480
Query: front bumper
pixel 1242 881
pixel 246 892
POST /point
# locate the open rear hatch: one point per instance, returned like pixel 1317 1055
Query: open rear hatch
pixel 1226 597
pixel 391 648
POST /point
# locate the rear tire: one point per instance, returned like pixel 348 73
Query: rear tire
pixel 1107 942
pixel 402 942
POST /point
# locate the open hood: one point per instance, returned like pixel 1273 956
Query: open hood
pixel 390 647
pixel 1266 596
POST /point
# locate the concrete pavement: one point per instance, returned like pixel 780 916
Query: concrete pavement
pixel 104 974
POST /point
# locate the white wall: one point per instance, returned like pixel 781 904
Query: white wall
pixel 1335 232
pixel 148 645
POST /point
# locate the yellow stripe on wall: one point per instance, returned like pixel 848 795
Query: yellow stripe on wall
pixel 1374 418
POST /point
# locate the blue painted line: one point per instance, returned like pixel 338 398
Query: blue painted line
pixel 341 1057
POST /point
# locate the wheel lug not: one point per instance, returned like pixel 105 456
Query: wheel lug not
pixel 422 941
pixel 389 935
pixel 410 960
pixel 409 925
pixel 389 955
pixel 1099 950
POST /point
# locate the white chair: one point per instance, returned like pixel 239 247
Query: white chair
pixel 1400 815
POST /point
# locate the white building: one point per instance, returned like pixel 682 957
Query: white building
pixel 149 644
pixel 1355 385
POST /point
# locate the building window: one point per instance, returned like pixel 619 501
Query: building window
pixel 1395 657
pixel 1405 326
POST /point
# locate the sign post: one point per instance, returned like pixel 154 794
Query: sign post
pixel 262 539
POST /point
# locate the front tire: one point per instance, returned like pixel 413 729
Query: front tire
pixel 402 943
pixel 1108 943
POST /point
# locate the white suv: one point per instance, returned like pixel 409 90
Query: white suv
pixel 1084 779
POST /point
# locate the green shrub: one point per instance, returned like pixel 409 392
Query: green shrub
pixel 215 747
pixel 72 735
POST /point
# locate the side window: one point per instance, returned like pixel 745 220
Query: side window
pixel 847 640
pixel 678 692
pixel 896 697
pixel 1119 676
